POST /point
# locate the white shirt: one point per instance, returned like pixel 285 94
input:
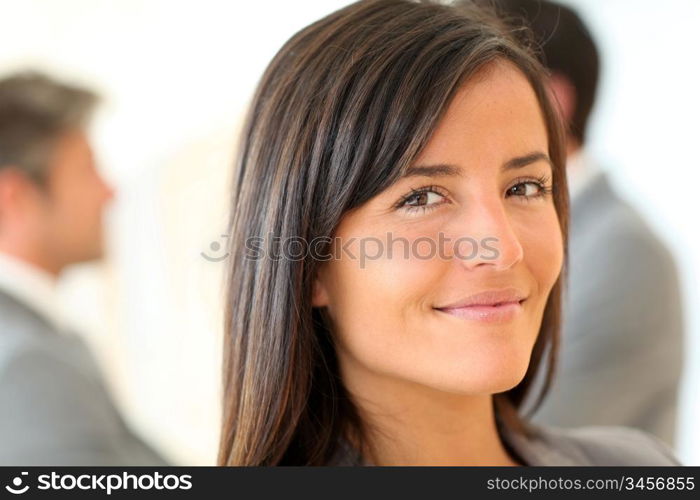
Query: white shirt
pixel 32 286
pixel 581 171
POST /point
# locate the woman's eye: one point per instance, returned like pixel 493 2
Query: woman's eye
pixel 527 189
pixel 422 199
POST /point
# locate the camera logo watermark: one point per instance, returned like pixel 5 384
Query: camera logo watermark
pixel 215 247
pixel 17 488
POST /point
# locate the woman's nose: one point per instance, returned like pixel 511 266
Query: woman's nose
pixel 487 237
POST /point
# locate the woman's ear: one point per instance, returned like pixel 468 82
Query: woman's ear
pixel 319 294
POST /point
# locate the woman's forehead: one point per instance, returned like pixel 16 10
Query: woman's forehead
pixel 493 117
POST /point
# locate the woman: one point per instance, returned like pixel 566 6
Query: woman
pixel 400 211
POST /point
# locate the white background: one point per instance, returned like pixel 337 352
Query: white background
pixel 177 77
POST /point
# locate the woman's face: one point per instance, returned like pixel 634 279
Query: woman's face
pixel 442 279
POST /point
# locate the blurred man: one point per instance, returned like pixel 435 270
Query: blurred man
pixel 621 354
pixel 54 408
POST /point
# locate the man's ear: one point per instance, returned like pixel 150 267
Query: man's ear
pixel 319 294
pixel 565 94
pixel 12 183
pixel 21 198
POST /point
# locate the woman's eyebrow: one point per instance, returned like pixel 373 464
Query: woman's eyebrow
pixel 443 170
pixel 523 161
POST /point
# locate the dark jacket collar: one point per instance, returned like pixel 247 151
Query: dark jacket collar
pixel 543 448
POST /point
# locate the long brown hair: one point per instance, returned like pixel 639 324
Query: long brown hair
pixel 343 108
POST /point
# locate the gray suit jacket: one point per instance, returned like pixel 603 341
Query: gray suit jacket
pixel 54 408
pixel 621 354
pixel 552 446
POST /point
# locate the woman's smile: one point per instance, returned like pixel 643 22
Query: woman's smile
pixel 494 306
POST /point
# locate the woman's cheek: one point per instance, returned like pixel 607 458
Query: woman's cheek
pixel 383 286
pixel 396 272
pixel 543 249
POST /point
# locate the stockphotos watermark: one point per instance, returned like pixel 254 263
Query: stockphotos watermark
pixel 106 483
pixel 325 248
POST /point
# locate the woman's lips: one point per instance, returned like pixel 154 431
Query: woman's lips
pixel 488 306
pixel 496 313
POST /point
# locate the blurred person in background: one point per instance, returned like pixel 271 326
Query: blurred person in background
pixel 621 355
pixel 54 406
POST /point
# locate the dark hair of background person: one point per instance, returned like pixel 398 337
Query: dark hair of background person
pixel 565 47
pixel 344 107
pixel 35 110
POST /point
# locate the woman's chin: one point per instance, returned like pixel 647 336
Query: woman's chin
pixel 486 377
